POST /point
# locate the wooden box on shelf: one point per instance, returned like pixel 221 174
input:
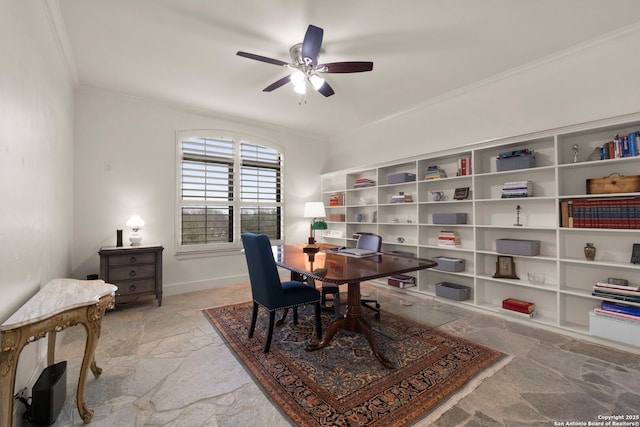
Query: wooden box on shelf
pixel 337 217
pixel 614 184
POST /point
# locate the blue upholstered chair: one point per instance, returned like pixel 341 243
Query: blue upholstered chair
pixel 268 291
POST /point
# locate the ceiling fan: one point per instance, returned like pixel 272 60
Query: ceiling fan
pixel 305 67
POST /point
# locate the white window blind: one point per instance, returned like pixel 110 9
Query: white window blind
pixel 214 171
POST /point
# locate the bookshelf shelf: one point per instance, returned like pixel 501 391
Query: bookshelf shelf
pixel 564 300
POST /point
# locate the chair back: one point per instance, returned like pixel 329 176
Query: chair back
pixel 266 287
pixel 371 242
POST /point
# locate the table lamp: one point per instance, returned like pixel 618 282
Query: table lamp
pixel 315 211
pixel 136 223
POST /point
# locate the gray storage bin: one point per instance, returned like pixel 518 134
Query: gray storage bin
pixel 515 162
pixel 518 247
pixel 397 178
pixel 449 264
pixel 453 291
pixel 450 218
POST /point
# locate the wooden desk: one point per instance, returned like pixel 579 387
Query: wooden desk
pixel 341 269
pixel 59 304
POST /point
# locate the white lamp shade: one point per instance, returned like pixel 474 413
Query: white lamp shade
pixel 135 222
pixel 316 81
pixel 297 78
pixel 314 210
pixel 300 88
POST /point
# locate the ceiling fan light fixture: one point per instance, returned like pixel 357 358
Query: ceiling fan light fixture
pixel 305 67
pixel 300 88
pixel 297 78
pixel 316 81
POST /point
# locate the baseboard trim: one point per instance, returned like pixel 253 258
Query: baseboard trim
pixel 213 283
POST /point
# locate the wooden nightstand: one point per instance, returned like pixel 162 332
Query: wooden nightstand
pixel 136 270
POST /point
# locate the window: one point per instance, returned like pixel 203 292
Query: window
pixel 227 186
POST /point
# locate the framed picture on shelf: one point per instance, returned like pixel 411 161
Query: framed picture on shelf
pixel 461 193
pixel 505 268
pixel 635 254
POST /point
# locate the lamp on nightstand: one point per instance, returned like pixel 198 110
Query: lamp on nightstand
pixel 315 211
pixel 136 223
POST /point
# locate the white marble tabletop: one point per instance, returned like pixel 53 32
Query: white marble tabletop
pixel 57 296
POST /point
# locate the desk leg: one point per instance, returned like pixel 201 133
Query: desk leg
pixel 353 322
pixel 51 348
pixel 92 321
pixel 12 344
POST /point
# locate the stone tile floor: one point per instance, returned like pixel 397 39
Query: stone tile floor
pixel 167 366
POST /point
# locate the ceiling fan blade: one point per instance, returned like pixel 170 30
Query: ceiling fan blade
pixel 311 45
pixel 346 67
pixel 326 90
pixel 275 85
pixel 261 58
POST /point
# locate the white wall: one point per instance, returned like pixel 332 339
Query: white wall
pixel 36 161
pixel 594 81
pixel 137 137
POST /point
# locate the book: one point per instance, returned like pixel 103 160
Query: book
pixel 435 172
pixel 615 213
pixel 449 238
pixel 518 313
pixel 402 281
pixel 607 313
pixel 620 308
pixel 518 305
pixel 363 182
pixel 621 287
pixel 401 198
pixel 616 295
pixel 516 189
pixel 336 199
pixel 463 166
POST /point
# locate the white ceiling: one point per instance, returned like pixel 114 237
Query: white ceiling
pixel 184 51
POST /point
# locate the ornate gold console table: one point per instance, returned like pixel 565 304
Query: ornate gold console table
pixel 59 304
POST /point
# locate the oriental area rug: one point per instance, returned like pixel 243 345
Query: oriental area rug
pixel 344 384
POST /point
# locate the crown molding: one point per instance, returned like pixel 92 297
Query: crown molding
pixel 573 50
pixel 61 38
pixel 211 114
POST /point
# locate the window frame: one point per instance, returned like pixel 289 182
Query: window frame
pixel 238 138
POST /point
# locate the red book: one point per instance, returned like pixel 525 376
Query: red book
pixel 401 281
pixel 635 214
pixel 518 305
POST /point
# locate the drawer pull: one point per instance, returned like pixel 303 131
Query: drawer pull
pixel 132 288
pixel 132 273
pixel 132 260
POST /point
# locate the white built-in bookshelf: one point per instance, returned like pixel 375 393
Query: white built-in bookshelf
pixel 563 302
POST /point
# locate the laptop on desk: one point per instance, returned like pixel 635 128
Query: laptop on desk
pixel 358 252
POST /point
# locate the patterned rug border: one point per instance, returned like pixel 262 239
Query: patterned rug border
pixel 424 408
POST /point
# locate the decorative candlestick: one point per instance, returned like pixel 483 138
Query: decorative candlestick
pixel 517 224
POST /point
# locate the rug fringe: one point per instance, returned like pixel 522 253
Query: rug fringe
pixel 452 401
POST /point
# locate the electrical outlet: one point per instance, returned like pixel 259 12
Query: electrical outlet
pixel 108 166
